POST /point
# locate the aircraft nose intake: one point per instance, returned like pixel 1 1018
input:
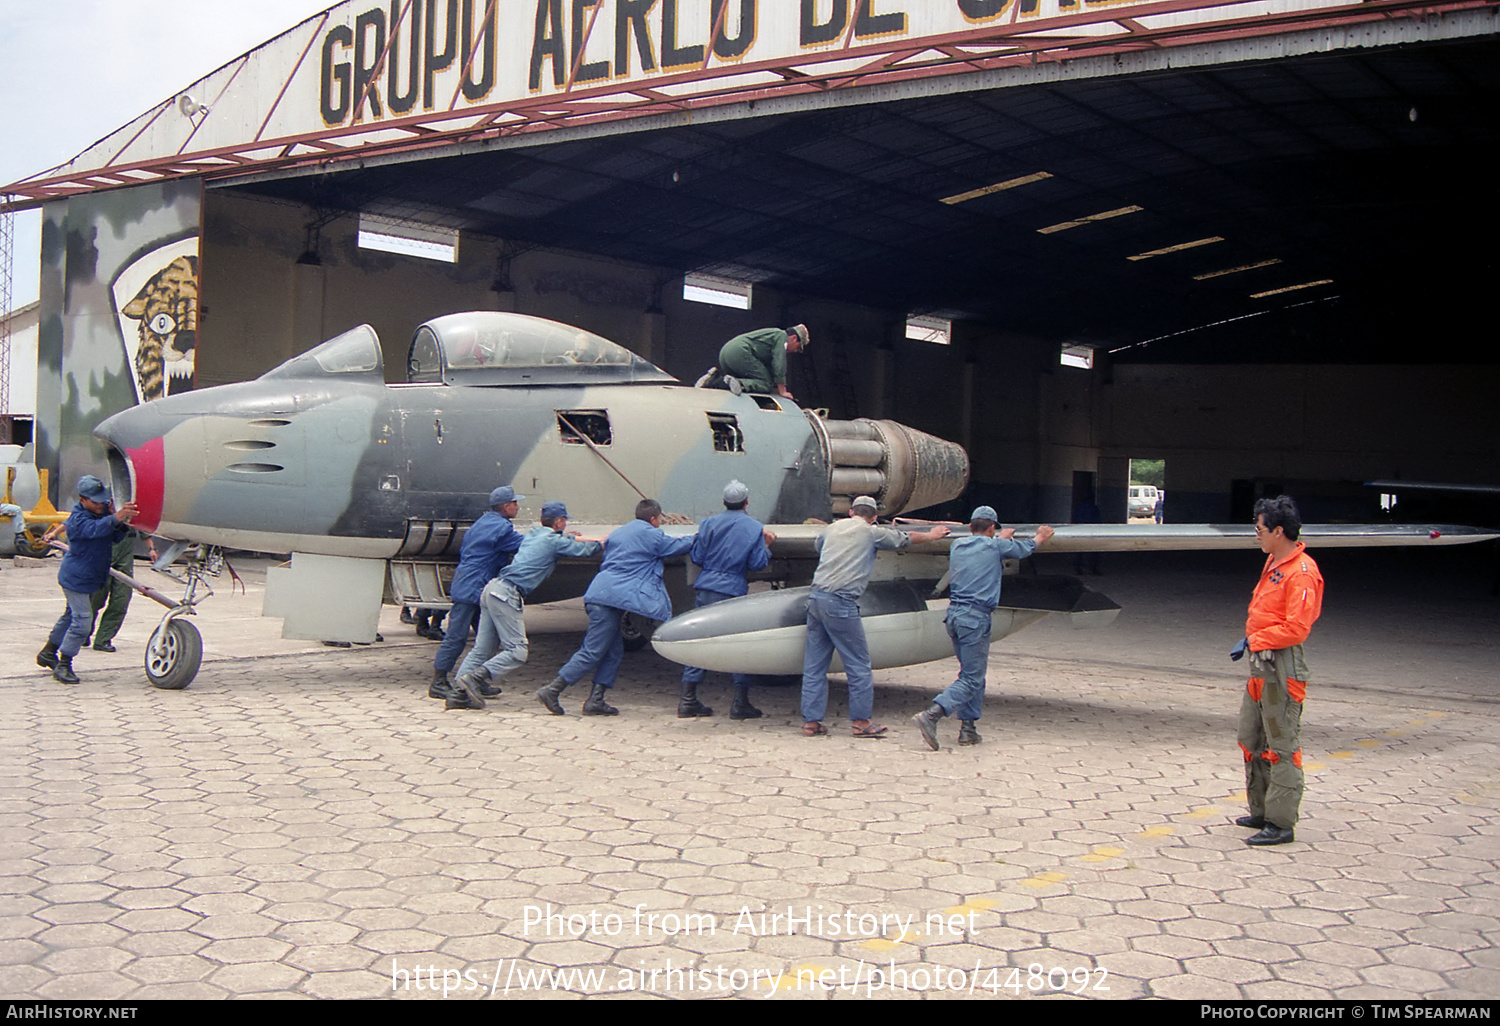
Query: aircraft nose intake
pixel 137 465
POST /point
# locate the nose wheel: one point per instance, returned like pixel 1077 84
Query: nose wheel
pixel 173 655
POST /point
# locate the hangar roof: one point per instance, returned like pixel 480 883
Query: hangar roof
pixel 1182 180
pixel 1361 169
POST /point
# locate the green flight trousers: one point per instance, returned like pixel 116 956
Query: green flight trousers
pixel 1270 734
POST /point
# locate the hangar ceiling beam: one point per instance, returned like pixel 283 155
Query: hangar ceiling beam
pixel 842 69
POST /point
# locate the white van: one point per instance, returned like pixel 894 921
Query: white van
pixel 1143 500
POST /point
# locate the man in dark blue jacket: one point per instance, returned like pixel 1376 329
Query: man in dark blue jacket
pixel 729 546
pixel 629 581
pixel 489 545
pixel 92 529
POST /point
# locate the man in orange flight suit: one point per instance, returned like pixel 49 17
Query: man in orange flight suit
pixel 1286 603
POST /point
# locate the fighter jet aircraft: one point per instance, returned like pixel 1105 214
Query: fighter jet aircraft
pixel 371 485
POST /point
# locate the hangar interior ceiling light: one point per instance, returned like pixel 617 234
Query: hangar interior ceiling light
pixel 1236 270
pixel 705 288
pixel 937 330
pixel 1177 248
pixel 1291 288
pixel 1063 226
pixel 388 235
pixel 997 187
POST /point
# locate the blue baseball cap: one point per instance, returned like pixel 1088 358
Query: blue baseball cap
pixel 505 493
pixel 985 513
pixel 91 488
pixel 553 509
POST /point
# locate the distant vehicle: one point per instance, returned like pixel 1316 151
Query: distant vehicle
pixel 1143 500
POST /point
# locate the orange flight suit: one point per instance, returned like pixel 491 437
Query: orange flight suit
pixel 1285 605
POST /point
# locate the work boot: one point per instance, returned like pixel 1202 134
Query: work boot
pixel 596 705
pixel 103 646
pixel 1271 834
pixel 440 688
pixel 733 384
pixel 688 705
pixel 63 671
pixel 1250 822
pixel 47 657
pixel 741 709
pixel 480 680
pixel 968 734
pixel 464 691
pixel 550 694
pixel 927 722
pixel 406 616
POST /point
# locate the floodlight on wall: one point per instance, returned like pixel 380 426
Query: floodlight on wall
pixel 705 288
pixel 937 330
pixel 1079 356
pixel 189 107
pixel 407 238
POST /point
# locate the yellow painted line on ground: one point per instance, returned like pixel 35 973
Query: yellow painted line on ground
pixel 1103 854
pixel 972 905
pixel 1310 766
pixel 1369 742
pixel 1044 879
pixel 1394 733
pixel 1339 755
pixel 1156 831
pixel 1203 813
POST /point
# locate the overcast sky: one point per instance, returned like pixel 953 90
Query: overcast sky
pixel 73 71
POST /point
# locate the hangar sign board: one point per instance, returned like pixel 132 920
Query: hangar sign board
pixel 367 76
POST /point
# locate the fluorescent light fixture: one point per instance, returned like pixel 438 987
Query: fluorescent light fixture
pixel 936 330
pixel 1177 248
pixel 1236 270
pixel 1081 357
pixel 997 187
pixel 1292 288
pixel 407 238
pixel 1063 226
pixel 704 288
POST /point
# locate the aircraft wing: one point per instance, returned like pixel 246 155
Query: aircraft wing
pixel 1184 537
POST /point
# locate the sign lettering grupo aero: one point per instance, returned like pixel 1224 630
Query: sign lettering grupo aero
pixel 459 53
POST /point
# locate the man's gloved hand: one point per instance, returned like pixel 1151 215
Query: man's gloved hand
pixel 1239 650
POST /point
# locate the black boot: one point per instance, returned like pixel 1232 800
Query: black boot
pixel 440 688
pixel 688 705
pixel 927 721
pixel 741 709
pixel 596 705
pixel 63 671
pixel 550 694
pixel 967 733
pixel 481 681
pixel 47 657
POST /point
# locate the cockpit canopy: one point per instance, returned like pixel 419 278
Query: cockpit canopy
pixel 485 347
pixel 482 347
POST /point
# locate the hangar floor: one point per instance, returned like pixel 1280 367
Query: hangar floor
pixel 304 821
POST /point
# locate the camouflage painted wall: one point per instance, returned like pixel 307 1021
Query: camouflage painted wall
pixel 119 316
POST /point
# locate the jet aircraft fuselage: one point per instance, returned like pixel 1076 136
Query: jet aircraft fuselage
pixel 321 455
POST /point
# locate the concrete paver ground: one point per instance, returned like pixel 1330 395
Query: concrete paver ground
pixel 304 821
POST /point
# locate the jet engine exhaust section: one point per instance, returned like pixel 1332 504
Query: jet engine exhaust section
pixel 901 467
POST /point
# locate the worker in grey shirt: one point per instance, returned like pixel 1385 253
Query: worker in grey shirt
pixel 846 558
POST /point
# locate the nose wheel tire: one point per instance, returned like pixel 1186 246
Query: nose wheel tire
pixel 176 664
pixel 637 631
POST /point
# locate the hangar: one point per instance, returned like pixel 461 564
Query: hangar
pixel 1258 226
